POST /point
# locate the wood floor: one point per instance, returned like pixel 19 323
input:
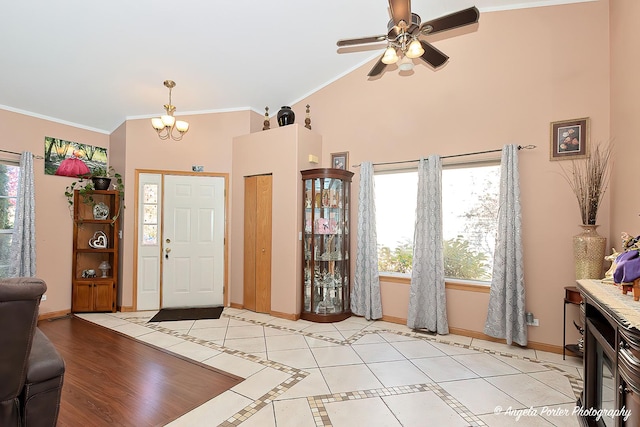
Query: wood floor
pixel 114 380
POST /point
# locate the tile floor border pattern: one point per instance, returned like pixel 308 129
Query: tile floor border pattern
pixel 321 417
pixel 317 403
pixel 576 383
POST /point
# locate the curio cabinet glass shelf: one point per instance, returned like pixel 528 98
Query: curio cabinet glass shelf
pixel 325 259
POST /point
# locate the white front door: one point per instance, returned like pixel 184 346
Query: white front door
pixel 206 287
pixel 193 241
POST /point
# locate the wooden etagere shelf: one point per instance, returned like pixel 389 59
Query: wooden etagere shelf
pixel 95 241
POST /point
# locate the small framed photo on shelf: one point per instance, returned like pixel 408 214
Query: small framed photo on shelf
pixel 569 139
pixel 340 160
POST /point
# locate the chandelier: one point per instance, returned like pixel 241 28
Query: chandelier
pixel 166 123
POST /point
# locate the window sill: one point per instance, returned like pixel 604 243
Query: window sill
pixel 457 284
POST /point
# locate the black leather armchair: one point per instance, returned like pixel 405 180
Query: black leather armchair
pixel 31 370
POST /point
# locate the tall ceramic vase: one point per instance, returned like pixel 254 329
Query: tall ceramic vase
pixel 589 252
pixel 286 116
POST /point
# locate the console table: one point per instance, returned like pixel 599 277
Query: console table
pixel 611 356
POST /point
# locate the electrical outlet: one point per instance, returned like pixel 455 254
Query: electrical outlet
pixel 44 297
pixel 534 322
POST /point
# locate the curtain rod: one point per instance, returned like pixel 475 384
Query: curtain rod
pixel 19 154
pixel 520 147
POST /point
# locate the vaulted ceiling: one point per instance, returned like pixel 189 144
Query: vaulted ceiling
pixel 96 64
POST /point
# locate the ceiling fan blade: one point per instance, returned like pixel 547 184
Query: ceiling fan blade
pixel 448 22
pixel 361 40
pixel 432 56
pixel 400 11
pixel 377 69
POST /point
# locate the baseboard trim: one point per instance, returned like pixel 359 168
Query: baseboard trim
pixel 54 314
pixel 391 319
pixel 278 314
pixel 287 316
pixel 534 345
pixel 126 309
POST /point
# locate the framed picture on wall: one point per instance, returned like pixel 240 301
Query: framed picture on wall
pixel 569 139
pixel 340 160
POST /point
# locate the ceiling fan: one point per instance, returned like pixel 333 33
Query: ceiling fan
pixel 404 30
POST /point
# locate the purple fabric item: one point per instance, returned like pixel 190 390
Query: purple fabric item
pixel 627 267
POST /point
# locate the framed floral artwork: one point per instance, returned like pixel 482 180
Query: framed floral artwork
pixel 569 139
pixel 340 160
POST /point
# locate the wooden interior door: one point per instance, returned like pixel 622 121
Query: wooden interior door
pixel 257 243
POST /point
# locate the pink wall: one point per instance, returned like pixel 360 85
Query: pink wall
pixel 282 152
pixel 504 84
pixel 625 110
pixel 54 226
pixel 208 144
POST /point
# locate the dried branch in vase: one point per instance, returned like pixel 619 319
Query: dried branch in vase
pixel 589 178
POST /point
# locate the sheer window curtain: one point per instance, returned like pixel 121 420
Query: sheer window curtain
pixel 427 300
pixel 506 315
pixel 23 242
pixel 365 296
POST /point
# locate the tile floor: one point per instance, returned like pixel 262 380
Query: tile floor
pixel 361 373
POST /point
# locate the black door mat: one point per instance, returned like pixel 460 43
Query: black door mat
pixel 192 313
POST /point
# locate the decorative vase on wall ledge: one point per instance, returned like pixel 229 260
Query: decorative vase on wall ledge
pixel 286 116
pixel 589 252
pixel 101 183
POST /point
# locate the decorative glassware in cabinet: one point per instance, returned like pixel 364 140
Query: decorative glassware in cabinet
pixel 326 268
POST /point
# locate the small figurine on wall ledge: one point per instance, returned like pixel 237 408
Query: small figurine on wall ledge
pixel 307 120
pixel 608 276
pixel 267 123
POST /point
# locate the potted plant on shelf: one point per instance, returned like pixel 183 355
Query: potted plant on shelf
pixel 99 179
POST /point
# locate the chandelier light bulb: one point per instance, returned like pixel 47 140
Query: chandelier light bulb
pixel 182 126
pixel 168 120
pixel 157 123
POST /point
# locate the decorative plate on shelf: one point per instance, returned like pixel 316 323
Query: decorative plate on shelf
pixel 99 240
pixel 100 211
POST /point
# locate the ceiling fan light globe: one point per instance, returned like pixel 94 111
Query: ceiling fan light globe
pixel 415 49
pixel 390 56
pixel 405 64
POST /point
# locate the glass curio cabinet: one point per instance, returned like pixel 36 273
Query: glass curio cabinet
pixel 325 264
